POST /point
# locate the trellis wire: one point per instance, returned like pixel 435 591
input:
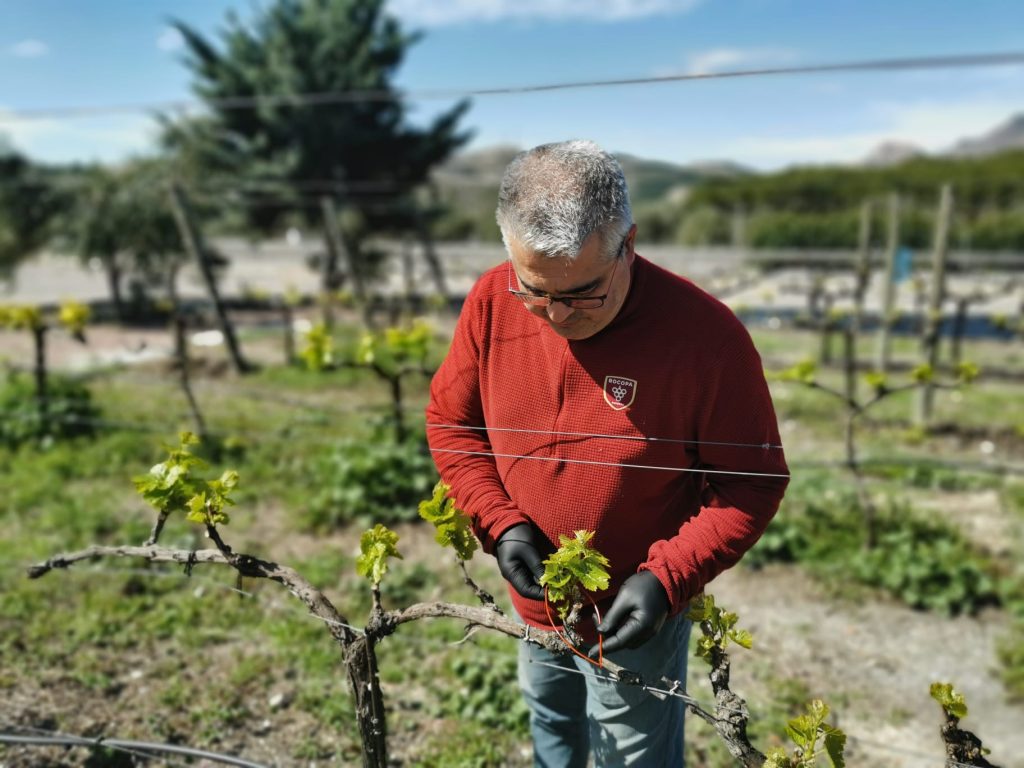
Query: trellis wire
pixel 138 748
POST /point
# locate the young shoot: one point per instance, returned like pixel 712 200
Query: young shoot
pixel 375 547
pixel 172 486
pixel 318 354
pixel 951 701
pixel 395 347
pixel 806 731
pixel 718 627
pixel 451 523
pixel 574 568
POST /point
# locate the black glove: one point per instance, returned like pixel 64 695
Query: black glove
pixel 520 562
pixel 636 615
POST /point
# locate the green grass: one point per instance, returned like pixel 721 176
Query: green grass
pixel 212 658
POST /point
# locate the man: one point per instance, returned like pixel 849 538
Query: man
pixel 587 388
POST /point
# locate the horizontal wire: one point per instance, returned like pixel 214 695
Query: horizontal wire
pixel 609 463
pixel 99 741
pixel 326 98
pixel 612 679
pixel 639 438
pixel 137 748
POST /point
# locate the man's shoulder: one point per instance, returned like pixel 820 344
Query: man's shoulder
pixel 681 299
pixel 488 298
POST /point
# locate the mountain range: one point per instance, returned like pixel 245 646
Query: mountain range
pixel 1006 136
pixel 471 178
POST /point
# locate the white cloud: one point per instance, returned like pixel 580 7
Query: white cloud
pixel 931 125
pixel 441 12
pixel 104 139
pixel 721 59
pixel 170 40
pixel 29 49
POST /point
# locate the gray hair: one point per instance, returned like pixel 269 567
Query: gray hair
pixel 553 197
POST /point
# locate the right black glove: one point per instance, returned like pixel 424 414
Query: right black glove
pixel 520 562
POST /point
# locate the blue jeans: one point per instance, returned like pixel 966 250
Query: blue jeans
pixel 570 713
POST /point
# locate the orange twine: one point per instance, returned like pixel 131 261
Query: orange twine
pixel 600 638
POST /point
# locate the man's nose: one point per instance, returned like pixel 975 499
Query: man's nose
pixel 558 312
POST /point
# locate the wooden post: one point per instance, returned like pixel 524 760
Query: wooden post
pixel 338 252
pixel 408 274
pixel 850 363
pixel 181 356
pixel 288 318
pixel 889 286
pixel 827 324
pixel 738 229
pixel 42 389
pixel 430 256
pixel 862 268
pixel 959 327
pixel 937 296
pixel 196 249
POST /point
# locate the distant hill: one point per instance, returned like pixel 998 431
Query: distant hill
pixel 1002 138
pixel 892 153
pixel 469 183
pixel 649 180
pixel 1009 135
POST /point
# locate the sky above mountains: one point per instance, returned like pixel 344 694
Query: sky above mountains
pixel 121 52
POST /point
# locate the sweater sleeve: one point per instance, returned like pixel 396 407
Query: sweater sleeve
pixel 735 407
pixel 456 403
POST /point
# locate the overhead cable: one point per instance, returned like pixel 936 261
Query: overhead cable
pixel 327 98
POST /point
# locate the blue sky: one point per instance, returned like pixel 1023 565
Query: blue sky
pixel 103 52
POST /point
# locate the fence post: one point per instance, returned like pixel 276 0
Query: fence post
pixel 338 253
pixel 181 357
pixel 889 286
pixel 42 389
pixel 933 316
pixel 194 246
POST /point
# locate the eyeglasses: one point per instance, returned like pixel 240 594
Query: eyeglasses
pixel 573 302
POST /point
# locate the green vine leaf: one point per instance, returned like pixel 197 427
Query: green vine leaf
pixel 952 702
pixel 923 373
pixel 575 567
pixel 451 523
pixel 169 485
pixel 967 372
pixel 207 507
pixel 22 318
pixel 803 372
pixel 376 546
pixel 805 731
pixel 877 381
pixel 718 627
pixel 395 347
pixel 74 316
pixel 318 354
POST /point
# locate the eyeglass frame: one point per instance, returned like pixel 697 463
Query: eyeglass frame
pixel 544 300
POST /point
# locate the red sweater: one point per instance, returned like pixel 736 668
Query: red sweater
pixel 676 364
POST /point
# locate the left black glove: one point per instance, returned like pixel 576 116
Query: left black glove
pixel 636 615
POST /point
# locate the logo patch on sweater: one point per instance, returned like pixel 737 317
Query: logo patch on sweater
pixel 619 392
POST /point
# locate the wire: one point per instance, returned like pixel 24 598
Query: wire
pixel 327 98
pixel 139 748
pixel 610 463
pixel 640 438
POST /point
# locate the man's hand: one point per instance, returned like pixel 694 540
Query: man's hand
pixel 520 562
pixel 636 615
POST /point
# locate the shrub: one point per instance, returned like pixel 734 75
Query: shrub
pixel 921 561
pixel 486 692
pixel 370 481
pixel 71 411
